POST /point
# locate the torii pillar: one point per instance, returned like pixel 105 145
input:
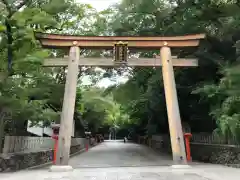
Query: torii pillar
pixel 64 142
pixel 174 119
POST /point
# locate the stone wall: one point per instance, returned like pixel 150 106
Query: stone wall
pixel 217 154
pixel 208 153
pixel 23 160
pixel 17 161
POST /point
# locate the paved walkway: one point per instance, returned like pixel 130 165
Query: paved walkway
pixel 119 161
pixel 120 154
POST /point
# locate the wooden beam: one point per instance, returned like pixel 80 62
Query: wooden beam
pixel 106 62
pixel 107 42
pixel 118 38
pixel 109 45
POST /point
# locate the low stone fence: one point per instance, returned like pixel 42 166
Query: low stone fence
pixel 32 155
pixel 216 153
pixel 14 144
pixel 204 152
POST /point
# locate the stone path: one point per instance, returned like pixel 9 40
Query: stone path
pixel 119 161
pixel 119 154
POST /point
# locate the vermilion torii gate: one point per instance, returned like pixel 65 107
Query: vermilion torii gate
pixel 164 44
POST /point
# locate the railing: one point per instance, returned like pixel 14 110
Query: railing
pixel 13 144
pixel 213 139
pixel 204 138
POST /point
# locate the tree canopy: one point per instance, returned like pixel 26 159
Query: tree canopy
pixel 208 95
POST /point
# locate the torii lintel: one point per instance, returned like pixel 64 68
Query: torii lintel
pixel 107 42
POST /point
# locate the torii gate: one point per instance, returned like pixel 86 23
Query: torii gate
pixel 121 44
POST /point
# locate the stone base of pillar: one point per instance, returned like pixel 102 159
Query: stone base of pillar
pixel 182 166
pixel 56 168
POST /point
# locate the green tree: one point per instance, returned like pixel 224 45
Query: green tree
pixel 26 88
pixel 145 100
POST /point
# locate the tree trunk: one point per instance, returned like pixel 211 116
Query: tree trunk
pixel 2 126
pixel 9 45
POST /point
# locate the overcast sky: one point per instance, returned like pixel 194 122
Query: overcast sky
pixel 99 4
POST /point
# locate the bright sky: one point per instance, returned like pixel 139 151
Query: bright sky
pixel 105 82
pixel 99 4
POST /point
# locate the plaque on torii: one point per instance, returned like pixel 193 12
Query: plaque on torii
pixel 121 47
pixel 120 53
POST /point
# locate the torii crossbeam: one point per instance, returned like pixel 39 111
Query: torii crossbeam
pixel 106 62
pixel 106 42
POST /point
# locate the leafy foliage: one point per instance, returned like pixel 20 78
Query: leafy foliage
pixel 101 110
pixel 214 103
pixel 208 95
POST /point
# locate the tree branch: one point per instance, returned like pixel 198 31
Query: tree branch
pixel 23 3
pixel 9 9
